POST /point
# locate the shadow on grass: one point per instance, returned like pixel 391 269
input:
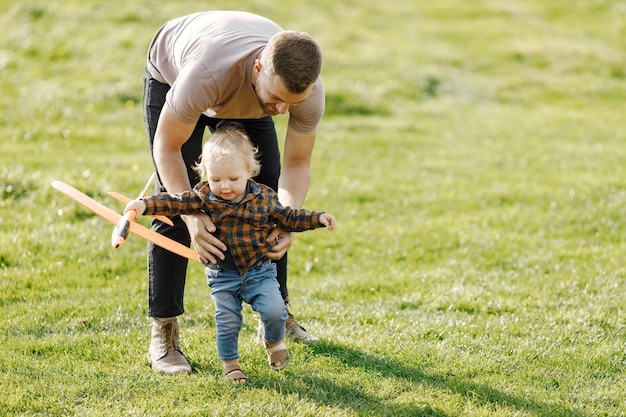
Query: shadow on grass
pixel 327 392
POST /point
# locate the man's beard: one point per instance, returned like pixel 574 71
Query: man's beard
pixel 268 109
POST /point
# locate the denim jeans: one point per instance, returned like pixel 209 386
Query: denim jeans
pixel 167 271
pixel 257 287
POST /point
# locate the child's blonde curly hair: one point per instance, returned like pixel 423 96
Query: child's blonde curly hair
pixel 227 141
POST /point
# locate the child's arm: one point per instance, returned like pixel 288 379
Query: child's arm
pixel 296 220
pixel 299 220
pixel 187 202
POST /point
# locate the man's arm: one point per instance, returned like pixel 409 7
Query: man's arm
pixel 170 136
pixel 293 183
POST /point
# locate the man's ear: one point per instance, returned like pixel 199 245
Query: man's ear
pixel 258 66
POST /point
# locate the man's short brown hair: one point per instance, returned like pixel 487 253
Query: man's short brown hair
pixel 296 58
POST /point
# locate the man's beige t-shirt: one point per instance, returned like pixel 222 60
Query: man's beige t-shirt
pixel 207 60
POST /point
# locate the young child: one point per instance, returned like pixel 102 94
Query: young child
pixel 243 212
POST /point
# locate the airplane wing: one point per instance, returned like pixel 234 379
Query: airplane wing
pixel 113 217
pixel 125 200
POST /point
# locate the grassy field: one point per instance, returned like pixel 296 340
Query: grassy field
pixel 474 155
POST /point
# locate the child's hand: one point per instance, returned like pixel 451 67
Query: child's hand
pixel 328 220
pixel 137 205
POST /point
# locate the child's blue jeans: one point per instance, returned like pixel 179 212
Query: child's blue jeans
pixel 257 287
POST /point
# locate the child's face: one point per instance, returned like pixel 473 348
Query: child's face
pixel 227 178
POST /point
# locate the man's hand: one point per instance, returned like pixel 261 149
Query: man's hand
pixel 282 242
pixel 208 247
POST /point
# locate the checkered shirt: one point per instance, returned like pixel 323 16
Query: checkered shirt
pixel 242 226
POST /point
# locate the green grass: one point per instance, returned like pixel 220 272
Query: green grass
pixel 473 153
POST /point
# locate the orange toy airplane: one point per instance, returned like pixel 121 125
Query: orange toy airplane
pixel 126 223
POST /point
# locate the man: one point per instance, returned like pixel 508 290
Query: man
pixel 204 68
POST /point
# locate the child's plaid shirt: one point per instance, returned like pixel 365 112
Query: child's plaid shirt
pixel 242 226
